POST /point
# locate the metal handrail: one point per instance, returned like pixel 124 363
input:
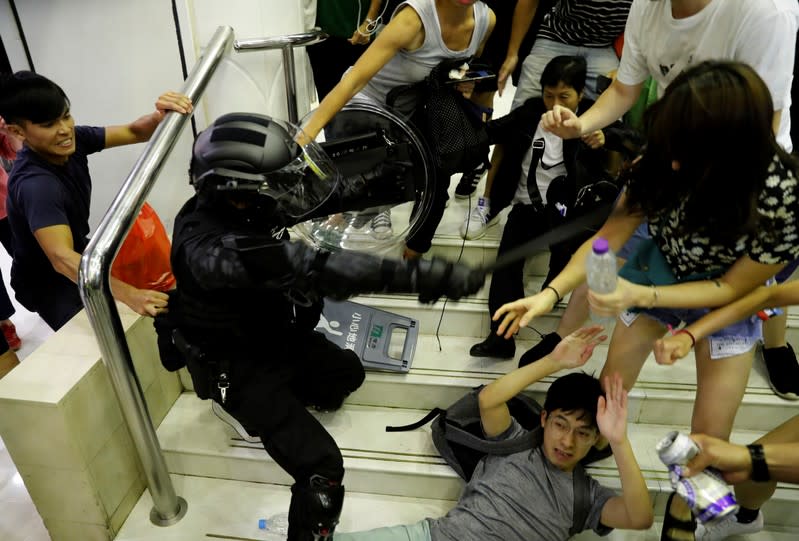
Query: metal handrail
pixel 95 289
pixel 286 43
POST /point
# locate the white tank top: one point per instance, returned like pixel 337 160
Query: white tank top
pixel 408 67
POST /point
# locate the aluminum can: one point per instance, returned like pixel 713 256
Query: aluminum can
pixel 706 493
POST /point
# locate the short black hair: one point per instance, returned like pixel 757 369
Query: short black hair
pixel 577 391
pixel 569 70
pixel 28 96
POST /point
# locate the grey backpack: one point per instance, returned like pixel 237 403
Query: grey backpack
pixel 458 437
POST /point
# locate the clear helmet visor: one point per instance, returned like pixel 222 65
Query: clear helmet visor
pixel 305 183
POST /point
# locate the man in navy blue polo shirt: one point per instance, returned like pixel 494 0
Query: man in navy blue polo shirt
pixel 49 194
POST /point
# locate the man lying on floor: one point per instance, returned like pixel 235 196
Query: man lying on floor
pixel 529 495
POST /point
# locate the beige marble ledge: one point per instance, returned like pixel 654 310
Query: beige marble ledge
pixel 51 371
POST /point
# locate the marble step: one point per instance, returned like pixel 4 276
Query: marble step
pixel 406 464
pixel 662 395
pixel 469 316
pixel 224 509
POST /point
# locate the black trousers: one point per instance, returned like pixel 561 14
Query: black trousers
pixel 270 392
pixel 421 239
pixel 525 222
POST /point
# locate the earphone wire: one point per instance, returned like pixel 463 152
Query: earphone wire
pixel 371 26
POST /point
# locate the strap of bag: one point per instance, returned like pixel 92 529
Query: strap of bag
pixel 435 412
pixel 582 500
pixel 589 221
pixel 539 145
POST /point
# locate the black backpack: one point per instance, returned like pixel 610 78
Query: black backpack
pixel 452 125
pixel 458 437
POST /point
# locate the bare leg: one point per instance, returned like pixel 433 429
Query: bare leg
pixel 720 386
pixel 576 311
pixel 629 348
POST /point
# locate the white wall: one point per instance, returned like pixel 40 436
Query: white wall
pixel 114 57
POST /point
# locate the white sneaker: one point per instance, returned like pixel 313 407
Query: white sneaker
pixel 223 415
pixel 727 527
pixel 381 225
pixel 477 223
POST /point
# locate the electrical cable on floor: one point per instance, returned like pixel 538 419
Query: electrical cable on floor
pixel 460 254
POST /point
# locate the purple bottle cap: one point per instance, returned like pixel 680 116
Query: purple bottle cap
pixel 601 246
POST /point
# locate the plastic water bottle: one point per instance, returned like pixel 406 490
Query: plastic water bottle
pixel 706 493
pixel 601 274
pixel 276 524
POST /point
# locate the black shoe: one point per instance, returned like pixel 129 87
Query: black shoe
pixel 468 183
pixel 494 346
pixel 541 349
pixel 783 371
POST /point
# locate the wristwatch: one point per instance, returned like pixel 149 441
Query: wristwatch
pixel 759 466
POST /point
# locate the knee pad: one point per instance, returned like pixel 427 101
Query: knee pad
pixel 315 509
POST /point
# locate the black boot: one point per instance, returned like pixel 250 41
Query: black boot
pixel 541 349
pixel 315 509
pixel 494 346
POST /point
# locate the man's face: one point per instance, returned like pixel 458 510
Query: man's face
pixel 563 95
pixel 567 438
pixel 53 140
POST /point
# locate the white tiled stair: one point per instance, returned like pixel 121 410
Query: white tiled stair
pixel 398 477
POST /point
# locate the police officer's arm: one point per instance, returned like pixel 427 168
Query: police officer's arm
pixel 142 128
pixel 57 243
pixel 249 261
pixel 572 352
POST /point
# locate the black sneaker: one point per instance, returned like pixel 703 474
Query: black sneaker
pixel 783 371
pixel 494 346
pixel 541 349
pixel 469 181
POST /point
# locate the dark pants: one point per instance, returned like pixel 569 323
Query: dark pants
pixel 270 391
pixel 525 222
pixel 6 308
pixel 329 60
pixel 421 238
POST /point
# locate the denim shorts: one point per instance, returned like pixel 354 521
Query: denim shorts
pixel 641 233
pixel 732 340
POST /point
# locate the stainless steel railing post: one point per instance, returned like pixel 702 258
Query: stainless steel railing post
pixel 287 44
pixel 95 290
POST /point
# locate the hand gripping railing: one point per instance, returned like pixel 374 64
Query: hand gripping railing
pixel 286 44
pixel 95 290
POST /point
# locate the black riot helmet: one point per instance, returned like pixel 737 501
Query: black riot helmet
pixel 256 158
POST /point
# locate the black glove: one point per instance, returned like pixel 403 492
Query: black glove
pixel 439 277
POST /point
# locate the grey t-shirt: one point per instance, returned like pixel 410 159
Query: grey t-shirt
pixel 518 497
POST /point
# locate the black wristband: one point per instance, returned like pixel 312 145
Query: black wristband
pixel 759 467
pixel 555 291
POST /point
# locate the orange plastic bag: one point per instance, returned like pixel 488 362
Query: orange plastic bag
pixel 143 259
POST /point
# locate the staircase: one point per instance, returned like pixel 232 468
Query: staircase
pixel 398 477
